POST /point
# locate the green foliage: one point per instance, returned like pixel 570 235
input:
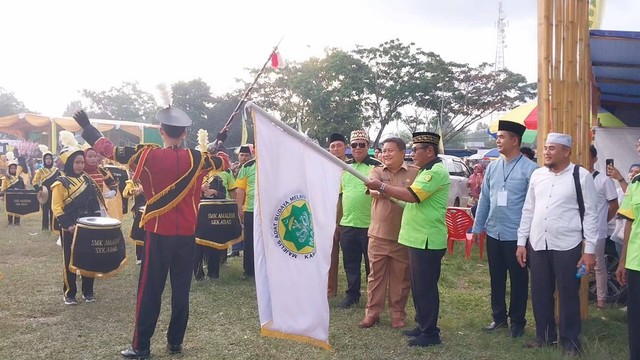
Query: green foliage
pixel 9 104
pixel 318 96
pixel 127 102
pixel 391 83
pixel 194 97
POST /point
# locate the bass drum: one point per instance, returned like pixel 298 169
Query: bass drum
pixel 98 248
pixel 218 224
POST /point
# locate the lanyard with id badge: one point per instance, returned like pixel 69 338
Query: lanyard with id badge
pixel 502 194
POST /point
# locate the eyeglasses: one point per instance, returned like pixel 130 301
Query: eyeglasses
pixel 358 145
pixel 415 149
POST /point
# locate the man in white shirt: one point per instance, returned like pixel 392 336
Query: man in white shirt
pixel 551 221
pixel 607 203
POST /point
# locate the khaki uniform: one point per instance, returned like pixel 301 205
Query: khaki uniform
pixel 389 261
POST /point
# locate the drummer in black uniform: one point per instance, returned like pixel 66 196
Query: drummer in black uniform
pixel 74 195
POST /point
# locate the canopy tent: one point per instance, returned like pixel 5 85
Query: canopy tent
pixel 616 69
pixel 21 125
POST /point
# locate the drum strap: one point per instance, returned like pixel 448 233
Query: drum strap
pixel 50 177
pixel 13 182
pixel 168 198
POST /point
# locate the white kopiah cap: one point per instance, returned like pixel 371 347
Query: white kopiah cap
pixel 562 139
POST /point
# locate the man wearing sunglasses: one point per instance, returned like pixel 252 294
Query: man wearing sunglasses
pixel 424 231
pixel 356 217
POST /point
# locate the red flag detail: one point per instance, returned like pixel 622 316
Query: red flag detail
pixel 276 60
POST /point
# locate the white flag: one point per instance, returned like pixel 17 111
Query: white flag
pixel 294 219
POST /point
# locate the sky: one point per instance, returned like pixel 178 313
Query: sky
pixel 54 49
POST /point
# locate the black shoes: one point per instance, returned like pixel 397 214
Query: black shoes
pixel 425 341
pixel 516 331
pixel 135 354
pixel 495 325
pixel 412 333
pixel 348 302
pixel 174 349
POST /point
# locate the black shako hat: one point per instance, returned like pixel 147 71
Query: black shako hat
pixel 425 137
pixel 174 117
pixel 510 126
pixel 337 137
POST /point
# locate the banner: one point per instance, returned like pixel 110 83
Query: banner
pixel 97 251
pixel 21 202
pixel 596 12
pixel 295 210
pixel 218 224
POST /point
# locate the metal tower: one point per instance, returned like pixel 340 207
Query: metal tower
pixel 501 25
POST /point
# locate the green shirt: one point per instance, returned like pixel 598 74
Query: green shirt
pixel 356 204
pixel 423 222
pixel 630 209
pixel 228 181
pixel 247 181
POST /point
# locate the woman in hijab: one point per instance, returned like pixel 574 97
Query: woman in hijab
pixel 74 195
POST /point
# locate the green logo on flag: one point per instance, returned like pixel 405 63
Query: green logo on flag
pixel 294 224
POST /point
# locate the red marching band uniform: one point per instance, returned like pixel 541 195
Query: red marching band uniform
pixel 171 178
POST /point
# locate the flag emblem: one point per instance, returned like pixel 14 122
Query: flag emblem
pixel 293 225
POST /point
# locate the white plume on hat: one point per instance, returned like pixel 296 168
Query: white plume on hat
pixel 44 149
pixel 165 94
pixel 68 141
pixel 203 140
pixel 11 159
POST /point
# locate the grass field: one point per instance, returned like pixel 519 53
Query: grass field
pixel 223 324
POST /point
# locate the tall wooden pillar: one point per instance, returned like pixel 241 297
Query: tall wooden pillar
pixel 564 83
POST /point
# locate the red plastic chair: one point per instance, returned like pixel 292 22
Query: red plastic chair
pixel 459 222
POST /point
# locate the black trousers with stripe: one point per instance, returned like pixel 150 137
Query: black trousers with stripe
pixel 355 244
pixel 164 255
pixel 69 287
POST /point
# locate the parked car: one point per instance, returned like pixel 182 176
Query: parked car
pixel 459 175
pixel 616 293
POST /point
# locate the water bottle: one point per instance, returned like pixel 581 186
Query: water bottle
pixel 581 271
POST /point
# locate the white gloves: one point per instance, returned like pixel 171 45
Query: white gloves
pixel 109 194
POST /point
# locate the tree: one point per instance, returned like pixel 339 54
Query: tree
pixel 318 96
pixel 194 97
pixel 9 104
pixel 72 108
pixel 468 94
pixel 127 102
pixel 391 82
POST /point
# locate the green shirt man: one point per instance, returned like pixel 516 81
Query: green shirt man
pixel 247 181
pixel 356 204
pixel 630 209
pixel 423 222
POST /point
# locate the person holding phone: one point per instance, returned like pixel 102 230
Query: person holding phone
pixel 607 204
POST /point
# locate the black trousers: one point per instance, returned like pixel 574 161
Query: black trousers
pixel 212 256
pixel 549 267
pixel 164 255
pixel 247 256
pixel 13 219
pixel 502 259
pixel 425 268
pixel 47 215
pixel 139 252
pixel 633 313
pixel 354 243
pixel 69 287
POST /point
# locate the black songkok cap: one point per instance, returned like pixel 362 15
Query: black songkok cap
pixel 511 126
